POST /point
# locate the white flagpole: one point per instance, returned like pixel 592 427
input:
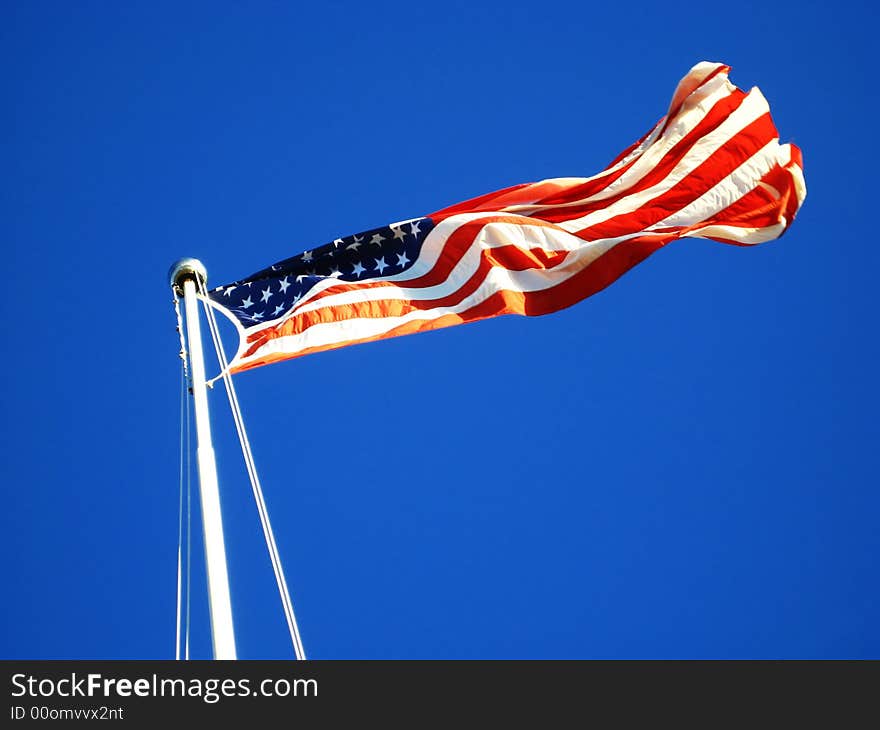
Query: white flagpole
pixel 184 275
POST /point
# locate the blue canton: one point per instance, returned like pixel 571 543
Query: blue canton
pixel 271 293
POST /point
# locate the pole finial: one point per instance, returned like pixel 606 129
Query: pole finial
pixel 186 268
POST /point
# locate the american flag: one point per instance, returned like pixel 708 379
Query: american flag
pixel 712 167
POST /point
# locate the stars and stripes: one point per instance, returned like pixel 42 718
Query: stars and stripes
pixel 713 167
pixel 271 293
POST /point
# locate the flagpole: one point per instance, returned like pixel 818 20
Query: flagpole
pixel 184 276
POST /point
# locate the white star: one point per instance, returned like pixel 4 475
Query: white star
pixel 279 309
pixel 358 269
pixel 300 278
pixel 247 303
pixel 284 283
pixel 381 265
pixel 307 256
pixel 399 233
pixel 335 274
pixel 267 293
pixel 353 246
pixel 377 239
pixel 257 315
pixel 402 260
pixel 296 298
pixel 337 243
pixel 229 290
pixel 414 228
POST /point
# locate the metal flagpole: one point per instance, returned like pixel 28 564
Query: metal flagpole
pixel 184 275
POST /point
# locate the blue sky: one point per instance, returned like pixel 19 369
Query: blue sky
pixel 683 466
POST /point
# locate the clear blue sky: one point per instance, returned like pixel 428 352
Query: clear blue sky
pixel 684 465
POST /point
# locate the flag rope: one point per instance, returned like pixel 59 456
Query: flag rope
pixel 188 527
pixel 185 471
pixel 183 400
pixel 271 545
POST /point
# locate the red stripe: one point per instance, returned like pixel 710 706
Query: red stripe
pixel 526 194
pixel 719 113
pixel 793 205
pixel 605 270
pixel 702 178
pixel 483 202
pixel 758 208
pixel 629 150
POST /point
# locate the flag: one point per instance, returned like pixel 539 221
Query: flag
pixel 712 167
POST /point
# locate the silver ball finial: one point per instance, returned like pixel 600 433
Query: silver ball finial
pixel 187 268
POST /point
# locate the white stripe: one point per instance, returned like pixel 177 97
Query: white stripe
pixel 637 152
pixel 753 107
pixel 741 235
pixel 797 174
pixel 727 191
pixel 652 151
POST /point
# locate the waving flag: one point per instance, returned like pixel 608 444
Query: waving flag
pixel 711 168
